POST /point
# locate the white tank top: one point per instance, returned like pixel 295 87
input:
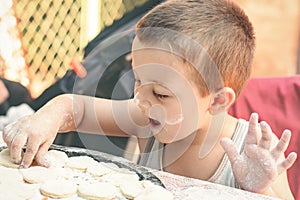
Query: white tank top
pixel 153 154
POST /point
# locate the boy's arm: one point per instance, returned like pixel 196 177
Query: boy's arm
pixel 66 113
pixel 111 117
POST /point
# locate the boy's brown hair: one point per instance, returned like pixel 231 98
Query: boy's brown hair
pixel 219 26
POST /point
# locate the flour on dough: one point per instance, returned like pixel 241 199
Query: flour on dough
pixel 97 190
pixel 98 169
pixel 58 188
pixel 5 159
pixel 79 162
pixel 117 178
pixel 17 191
pixel 56 158
pixel 130 189
pixel 10 175
pixel 38 174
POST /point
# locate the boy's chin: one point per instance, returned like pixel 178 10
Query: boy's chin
pixel 164 138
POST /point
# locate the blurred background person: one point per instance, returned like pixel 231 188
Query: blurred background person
pixel 12 94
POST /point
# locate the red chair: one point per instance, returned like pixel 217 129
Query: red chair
pixel 277 101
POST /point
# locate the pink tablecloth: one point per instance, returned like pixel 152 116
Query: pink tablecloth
pixel 185 188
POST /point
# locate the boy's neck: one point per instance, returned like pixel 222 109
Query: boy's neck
pixel 189 151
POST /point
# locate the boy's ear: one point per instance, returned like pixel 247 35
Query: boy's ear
pixel 222 100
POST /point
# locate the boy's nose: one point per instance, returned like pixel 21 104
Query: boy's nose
pixel 143 103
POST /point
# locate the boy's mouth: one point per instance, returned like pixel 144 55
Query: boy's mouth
pixel 154 123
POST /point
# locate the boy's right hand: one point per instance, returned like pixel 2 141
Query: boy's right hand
pixel 37 132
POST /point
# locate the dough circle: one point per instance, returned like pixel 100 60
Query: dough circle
pixel 38 174
pixel 56 158
pixel 79 162
pixel 58 189
pixel 130 189
pixel 97 190
pixel 5 159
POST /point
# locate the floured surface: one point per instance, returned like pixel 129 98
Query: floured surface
pixel 71 177
pixel 184 188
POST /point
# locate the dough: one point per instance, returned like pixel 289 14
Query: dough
pixel 147 183
pixel 17 191
pixel 5 159
pixel 130 189
pixel 97 190
pixel 80 162
pixel 154 192
pixel 38 174
pixel 117 178
pixel 58 188
pixel 98 169
pixel 10 175
pixel 56 158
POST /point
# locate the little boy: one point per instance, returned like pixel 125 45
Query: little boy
pixel 190 59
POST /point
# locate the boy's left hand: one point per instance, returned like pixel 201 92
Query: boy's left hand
pixel 259 165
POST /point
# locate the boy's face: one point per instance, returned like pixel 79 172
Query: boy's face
pixel 166 95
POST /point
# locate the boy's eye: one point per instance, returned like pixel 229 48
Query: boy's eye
pixel 160 96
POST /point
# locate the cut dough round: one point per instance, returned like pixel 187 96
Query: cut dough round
pixel 117 178
pixel 38 174
pixel 17 191
pixel 98 169
pixel 80 162
pixel 147 183
pixel 154 192
pixel 5 159
pixel 97 190
pixel 57 158
pixel 58 188
pixel 10 175
pixel 130 189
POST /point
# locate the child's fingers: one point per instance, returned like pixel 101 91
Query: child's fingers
pixel 287 163
pixel 266 138
pixel 251 137
pixel 31 150
pixel 230 149
pixel 16 145
pixel 40 156
pixel 282 144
